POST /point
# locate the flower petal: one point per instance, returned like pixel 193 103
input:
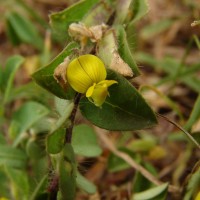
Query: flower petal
pixel 90 90
pixel 77 78
pixel 93 66
pixel 84 71
pixel 108 83
pixel 99 95
pixel 98 92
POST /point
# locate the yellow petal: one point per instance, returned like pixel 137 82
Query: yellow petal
pixel 98 92
pixel 90 90
pixel 77 78
pixel 108 83
pixel 99 95
pixel 93 66
pixel 84 71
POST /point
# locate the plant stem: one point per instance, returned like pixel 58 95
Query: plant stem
pixel 53 188
pixel 68 135
pixel 182 129
pixel 54 185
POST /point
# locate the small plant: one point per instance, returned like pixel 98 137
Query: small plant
pixel 93 74
pixel 94 83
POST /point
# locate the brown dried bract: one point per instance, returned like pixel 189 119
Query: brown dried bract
pixel 79 31
pixel 60 73
pixel 118 65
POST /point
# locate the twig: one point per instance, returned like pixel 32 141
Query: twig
pixel 68 135
pixel 104 138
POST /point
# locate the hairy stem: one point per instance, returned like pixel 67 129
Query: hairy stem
pixel 53 188
pixel 68 135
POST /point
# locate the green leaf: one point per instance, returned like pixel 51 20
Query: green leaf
pixel 193 185
pixel 55 140
pixel 186 75
pixel 84 141
pixel 60 21
pixel 180 72
pixel 116 164
pixel 142 145
pixel 124 50
pixel 156 193
pixel 28 114
pixel 19 181
pixel 106 46
pixel 10 31
pixel 3 184
pixel 45 76
pixel 85 184
pixel 109 51
pixel 39 169
pixel 12 157
pixel 22 30
pixel 2 139
pixel 139 9
pixel 140 183
pixel 67 173
pixel 122 10
pixel 30 91
pixel 12 65
pixel 61 105
pixel 125 109
pixel 195 114
pixel 33 13
pixel 99 14
pixel 41 185
pixel 33 150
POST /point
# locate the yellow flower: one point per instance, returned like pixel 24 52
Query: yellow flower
pixel 86 74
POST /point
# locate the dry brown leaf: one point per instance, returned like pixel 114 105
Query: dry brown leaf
pixel 60 72
pixel 80 31
pixel 118 65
